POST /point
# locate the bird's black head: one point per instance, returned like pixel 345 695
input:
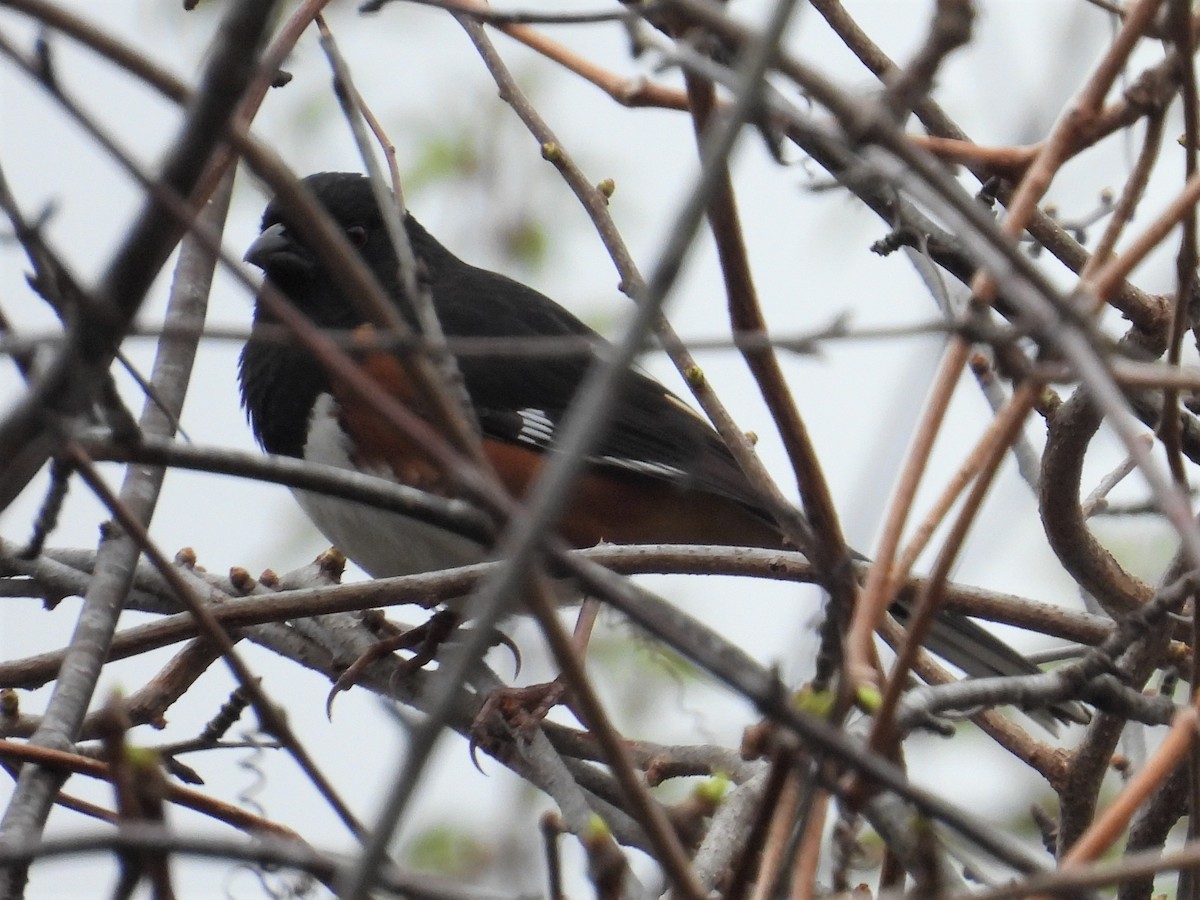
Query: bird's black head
pixel 297 270
pixel 280 380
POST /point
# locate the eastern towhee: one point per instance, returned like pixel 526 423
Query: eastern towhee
pixel 660 474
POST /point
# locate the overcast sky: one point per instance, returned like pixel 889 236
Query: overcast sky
pixel 812 263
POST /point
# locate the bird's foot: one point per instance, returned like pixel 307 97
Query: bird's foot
pixel 424 641
pixel 510 712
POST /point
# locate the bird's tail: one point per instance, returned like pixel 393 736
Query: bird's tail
pixel 972 648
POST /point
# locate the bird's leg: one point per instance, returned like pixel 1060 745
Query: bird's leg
pixel 588 613
pixel 524 708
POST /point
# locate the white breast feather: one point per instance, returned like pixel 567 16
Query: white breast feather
pixel 382 543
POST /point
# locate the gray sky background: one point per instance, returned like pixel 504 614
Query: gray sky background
pixel 812 263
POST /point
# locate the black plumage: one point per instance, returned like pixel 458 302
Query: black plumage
pixel 654 439
pixel 653 432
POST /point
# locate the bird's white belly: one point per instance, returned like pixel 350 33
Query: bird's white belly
pixel 382 543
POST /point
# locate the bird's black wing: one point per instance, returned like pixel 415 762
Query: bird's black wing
pixel 524 399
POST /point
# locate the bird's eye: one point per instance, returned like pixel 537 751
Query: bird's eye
pixel 357 235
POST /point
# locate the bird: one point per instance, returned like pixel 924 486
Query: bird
pixel 660 473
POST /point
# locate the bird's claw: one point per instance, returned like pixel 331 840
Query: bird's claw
pixel 514 710
pixel 424 640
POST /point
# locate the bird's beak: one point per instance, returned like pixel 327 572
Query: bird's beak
pixel 275 247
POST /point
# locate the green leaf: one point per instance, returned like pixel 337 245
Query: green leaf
pixel 447 850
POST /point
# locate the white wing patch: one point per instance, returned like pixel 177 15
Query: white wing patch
pixel 645 467
pixel 679 404
pixel 537 428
